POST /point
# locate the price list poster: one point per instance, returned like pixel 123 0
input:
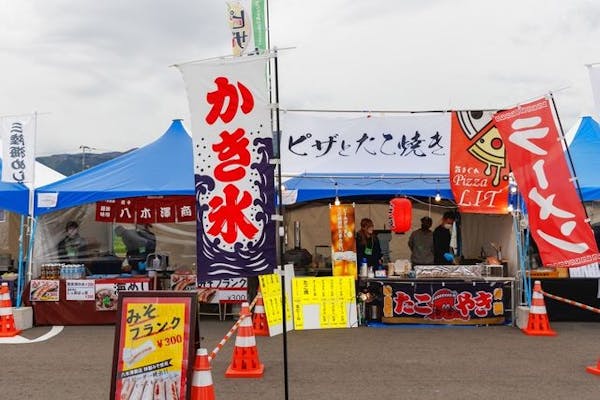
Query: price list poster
pixel 154 345
pixel 324 303
pixel 270 288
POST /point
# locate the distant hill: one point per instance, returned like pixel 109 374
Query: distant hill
pixel 69 164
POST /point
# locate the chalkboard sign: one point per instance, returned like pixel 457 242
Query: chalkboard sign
pixel 154 347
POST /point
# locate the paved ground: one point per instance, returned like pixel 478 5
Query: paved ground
pixel 368 363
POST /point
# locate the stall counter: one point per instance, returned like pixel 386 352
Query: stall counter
pixel 78 301
pixel 477 301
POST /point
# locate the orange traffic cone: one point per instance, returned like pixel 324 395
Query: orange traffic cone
pixel 594 369
pixel 7 320
pixel 537 323
pixel 245 362
pixel 259 318
pixel 202 383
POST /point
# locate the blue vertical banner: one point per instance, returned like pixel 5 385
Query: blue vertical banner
pixel 234 178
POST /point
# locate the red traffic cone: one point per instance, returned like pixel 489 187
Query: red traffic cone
pixel 245 362
pixel 202 383
pixel 259 318
pixel 537 323
pixel 594 369
pixel 7 320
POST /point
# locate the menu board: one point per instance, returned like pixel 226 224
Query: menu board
pixel 80 289
pixel 154 345
pixel 270 288
pixel 324 302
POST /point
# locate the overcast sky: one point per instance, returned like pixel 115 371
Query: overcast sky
pixel 98 71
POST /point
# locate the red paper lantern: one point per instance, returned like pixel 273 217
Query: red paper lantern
pixel 400 215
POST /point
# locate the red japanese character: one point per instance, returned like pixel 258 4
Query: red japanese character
pixel 233 152
pixel 483 303
pixel 404 304
pixel 228 93
pixel 227 216
pixel 423 306
pixel 465 303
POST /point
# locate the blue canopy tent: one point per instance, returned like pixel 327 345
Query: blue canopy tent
pixel 314 187
pixel 585 153
pixel 163 167
pixel 14 197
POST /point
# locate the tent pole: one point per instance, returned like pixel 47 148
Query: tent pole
pixel 20 272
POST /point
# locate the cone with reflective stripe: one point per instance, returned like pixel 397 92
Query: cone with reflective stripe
pixel 259 318
pixel 202 383
pixel 245 362
pixel 537 323
pixel 7 320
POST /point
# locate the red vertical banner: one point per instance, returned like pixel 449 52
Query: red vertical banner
pixel 125 211
pixel 145 211
pixel 105 210
pixel 478 164
pixel 343 242
pixel 557 219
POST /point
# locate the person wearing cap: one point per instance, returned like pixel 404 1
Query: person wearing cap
pixel 441 240
pixel 420 243
pixel 72 247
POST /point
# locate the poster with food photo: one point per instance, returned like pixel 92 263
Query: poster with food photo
pixel 154 345
pixel 106 296
pixel 44 290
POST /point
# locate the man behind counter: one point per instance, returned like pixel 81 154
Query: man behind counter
pixel 140 242
pixel 441 240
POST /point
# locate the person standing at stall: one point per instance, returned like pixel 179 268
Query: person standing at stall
pixel 441 240
pixel 72 247
pixel 367 244
pixel 420 243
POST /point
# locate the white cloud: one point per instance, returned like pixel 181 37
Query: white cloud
pixel 101 68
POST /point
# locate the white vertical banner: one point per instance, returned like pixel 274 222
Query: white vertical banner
pixel 234 178
pixel 594 71
pixel 239 18
pixel 18 148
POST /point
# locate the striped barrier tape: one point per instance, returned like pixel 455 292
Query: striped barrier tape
pixel 573 303
pixel 219 346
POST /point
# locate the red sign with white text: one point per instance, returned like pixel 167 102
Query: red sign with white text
pixel 479 170
pixel 557 219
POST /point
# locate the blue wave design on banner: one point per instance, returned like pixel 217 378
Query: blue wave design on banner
pixel 259 257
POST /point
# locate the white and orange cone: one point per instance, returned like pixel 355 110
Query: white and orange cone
pixel 538 323
pixel 202 383
pixel 7 320
pixel 245 362
pixel 259 317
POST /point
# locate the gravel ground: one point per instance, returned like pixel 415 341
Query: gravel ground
pixel 399 362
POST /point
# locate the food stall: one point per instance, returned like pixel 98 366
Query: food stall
pixel 441 294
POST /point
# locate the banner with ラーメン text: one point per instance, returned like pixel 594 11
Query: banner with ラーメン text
pixel 557 218
pixel 330 143
pixel 478 166
pixel 233 147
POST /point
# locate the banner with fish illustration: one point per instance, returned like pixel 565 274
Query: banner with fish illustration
pixel 478 166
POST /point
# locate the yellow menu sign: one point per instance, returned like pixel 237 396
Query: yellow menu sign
pixel 270 288
pixel 154 345
pixel 324 302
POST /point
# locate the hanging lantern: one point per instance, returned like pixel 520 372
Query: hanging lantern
pixel 400 215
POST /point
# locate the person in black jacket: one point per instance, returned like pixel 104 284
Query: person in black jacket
pixel 367 244
pixel 72 247
pixel 442 254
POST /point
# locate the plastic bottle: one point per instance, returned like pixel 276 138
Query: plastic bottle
pixel 370 273
pixel 364 268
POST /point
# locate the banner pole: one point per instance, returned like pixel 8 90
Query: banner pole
pixel 280 223
pixel 564 140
